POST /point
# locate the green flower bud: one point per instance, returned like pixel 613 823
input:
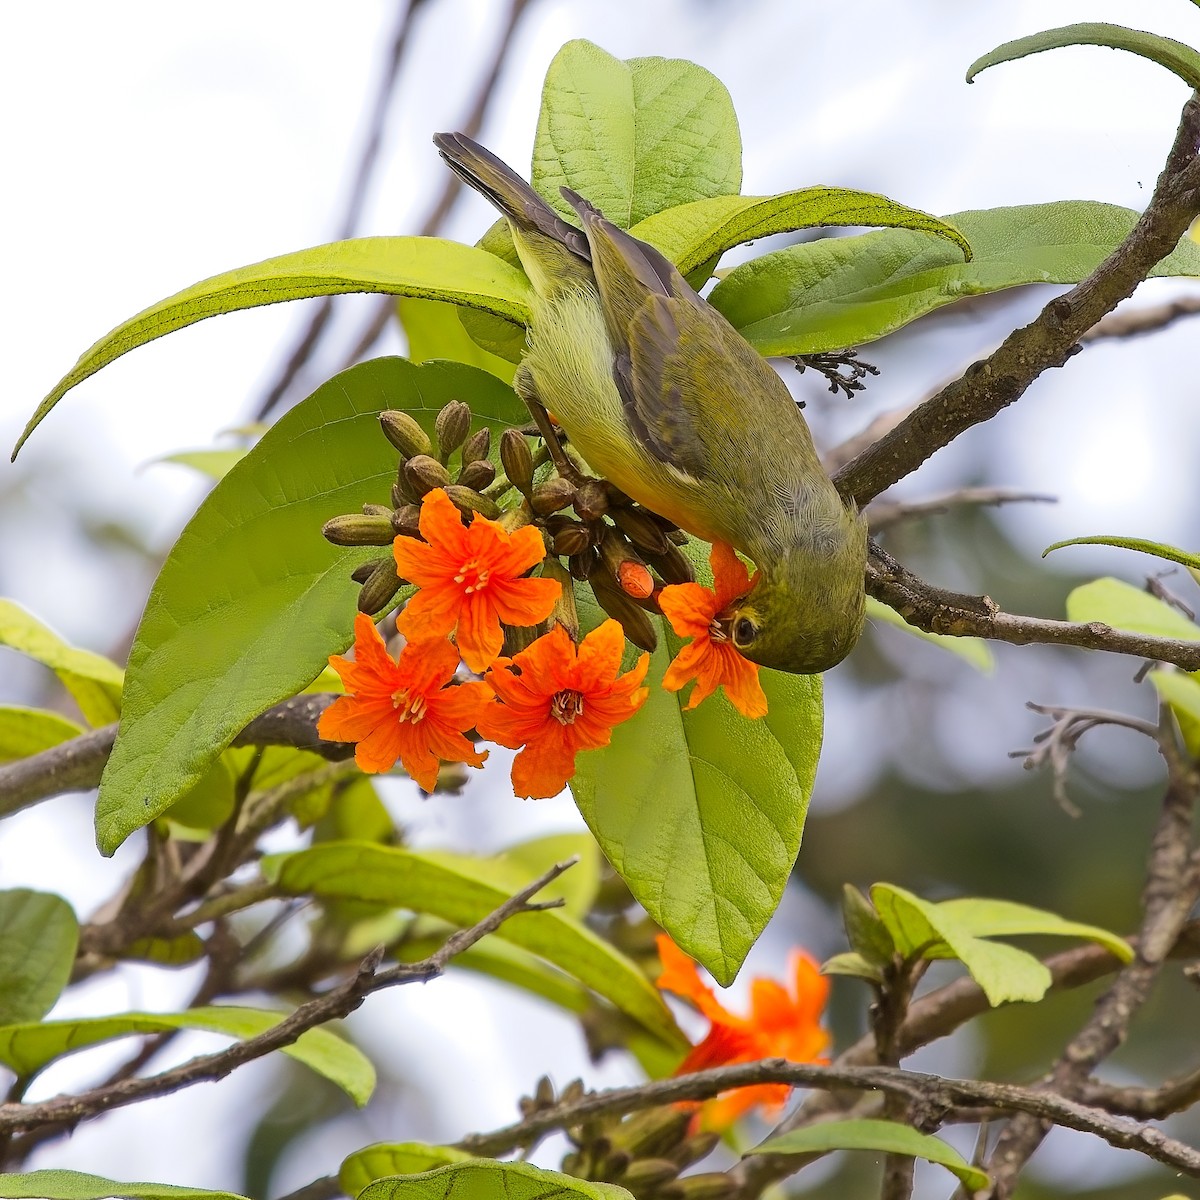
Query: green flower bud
pixel 701 1145
pixel 655 1132
pixel 383 584
pixel 451 425
pixel 477 474
pixel 647 1173
pixel 564 612
pixel 516 460
pixel 404 433
pixel 356 529
pixel 467 500
pixel 552 496
pixel 376 510
pixel 477 447
pixel 423 474
pixel 364 571
pixel 709 1185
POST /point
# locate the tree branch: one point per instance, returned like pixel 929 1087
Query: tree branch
pixel 993 383
pixel 335 1004
pixel 1141 321
pixel 883 514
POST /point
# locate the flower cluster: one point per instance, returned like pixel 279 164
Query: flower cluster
pixel 782 1023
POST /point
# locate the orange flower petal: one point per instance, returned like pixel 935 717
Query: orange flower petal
pixel 731 579
pixel 689 607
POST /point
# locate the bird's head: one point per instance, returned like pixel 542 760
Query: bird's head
pixel 805 611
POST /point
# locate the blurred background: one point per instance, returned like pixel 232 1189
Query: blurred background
pixel 148 146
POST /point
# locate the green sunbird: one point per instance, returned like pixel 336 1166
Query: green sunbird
pixel 662 396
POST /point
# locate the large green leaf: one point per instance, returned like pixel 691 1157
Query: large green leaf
pixel 1175 56
pixel 463 892
pixel 1182 695
pixel 483 1179
pixel 26 731
pixel 887 1136
pixel 838 292
pixel 27 1048
pixel 38 936
pixel 392 1158
pixel 1158 549
pixel 985 918
pixel 633 137
pixel 432 268
pixel 251 600
pixel 434 330
pixel 1123 606
pixel 701 811
pixel 691 234
pixel 93 680
pixel 74 1185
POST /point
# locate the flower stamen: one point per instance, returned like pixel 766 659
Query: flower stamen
pixel 566 706
pixel 409 707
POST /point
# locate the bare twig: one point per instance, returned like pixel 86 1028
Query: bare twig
pixel 882 514
pixel 333 1005
pixel 1140 321
pixel 1144 1103
pixel 993 383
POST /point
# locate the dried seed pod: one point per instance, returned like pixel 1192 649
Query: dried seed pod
pixel 355 529
pixel 364 571
pixel 402 491
pixel 383 584
pixel 591 500
pixel 451 425
pixel 677 537
pixel 581 565
pixel 477 474
pixel 641 529
pixel 516 460
pixel 467 500
pixel 635 621
pixel 406 520
pixel 477 447
pixel 672 566
pixel 552 496
pixel 423 474
pixel 572 539
pixel 404 433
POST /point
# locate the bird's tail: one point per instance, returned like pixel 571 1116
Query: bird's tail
pixel 495 180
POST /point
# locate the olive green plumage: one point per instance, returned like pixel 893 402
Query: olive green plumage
pixel 661 395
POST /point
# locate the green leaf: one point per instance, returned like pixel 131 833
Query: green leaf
pixel 1123 606
pixel 431 268
pixel 74 1185
pixel 971 649
pixel 1002 918
pixel 1175 56
pixel 461 891
pixel 26 731
pixel 435 330
pixel 887 1136
pixel 393 1158
pixel 578 887
pixel 923 929
pixel 633 137
pixel 38 937
pixel 209 803
pixel 27 1048
pixel 93 680
pixel 1158 549
pixel 693 233
pixel 849 963
pixel 216 464
pixel 838 292
pixel 179 951
pixel 865 932
pixel 483 1179
pixel 1182 694
pixel 701 811
pixel 252 600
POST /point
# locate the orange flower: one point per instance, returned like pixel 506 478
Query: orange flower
pixel 711 660
pixel 403 710
pixel 781 1024
pixel 555 699
pixel 470 577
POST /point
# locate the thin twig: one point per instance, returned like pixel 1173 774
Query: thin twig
pixel 883 514
pixel 333 1005
pixel 1140 321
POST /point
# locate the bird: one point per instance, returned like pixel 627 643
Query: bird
pixel 664 398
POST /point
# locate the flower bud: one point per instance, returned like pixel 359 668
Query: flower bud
pixel 406 520
pixel 402 492
pixel 364 571
pixel 382 585
pixel 423 474
pixel 466 500
pixel 477 474
pixel 581 565
pixel 641 529
pixel 636 622
pixel 672 566
pixel 516 460
pixel 591 500
pixel 626 567
pixel 451 425
pixel 477 447
pixel 404 433
pixel 571 539
pixel 451 778
pixel 699 1146
pixel 647 1173
pixel 564 612
pixel 709 1185
pixel 356 529
pixel 655 1132
pixel 552 496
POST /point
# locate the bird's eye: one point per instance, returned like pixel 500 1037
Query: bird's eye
pixel 744 631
